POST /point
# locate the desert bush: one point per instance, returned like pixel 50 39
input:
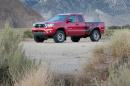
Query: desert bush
pixel 37 77
pixel 115 27
pixel 126 26
pixel 42 76
pixel 13 61
pixel 114 53
pixel 118 78
pixel 104 69
pixel 64 80
pixel 107 34
pixel 28 34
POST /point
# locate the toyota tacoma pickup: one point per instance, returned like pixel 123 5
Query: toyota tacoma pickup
pixel 67 25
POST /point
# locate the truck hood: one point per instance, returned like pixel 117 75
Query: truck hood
pixel 48 22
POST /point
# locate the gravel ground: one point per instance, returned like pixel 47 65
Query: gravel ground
pixel 66 58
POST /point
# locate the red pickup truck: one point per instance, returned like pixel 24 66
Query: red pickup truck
pixel 64 25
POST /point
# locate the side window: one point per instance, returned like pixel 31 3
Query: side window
pixel 72 19
pixel 80 18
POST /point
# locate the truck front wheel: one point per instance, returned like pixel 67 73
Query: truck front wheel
pixel 38 38
pixel 95 35
pixel 59 37
pixel 75 39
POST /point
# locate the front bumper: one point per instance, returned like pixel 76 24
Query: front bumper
pixel 45 31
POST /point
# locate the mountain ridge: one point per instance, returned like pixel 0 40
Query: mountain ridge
pixel 108 8
pixel 17 14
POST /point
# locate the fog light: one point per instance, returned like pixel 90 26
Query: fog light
pixel 49 31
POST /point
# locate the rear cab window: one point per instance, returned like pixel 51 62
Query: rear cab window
pixel 80 18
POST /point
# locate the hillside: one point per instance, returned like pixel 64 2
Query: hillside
pixel 107 9
pixel 14 12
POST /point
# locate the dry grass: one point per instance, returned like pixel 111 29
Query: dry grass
pixel 39 77
pixel 114 53
pixel 44 77
pixel 102 70
pixel 119 78
pixel 13 62
pixel 15 68
pixel 117 48
pixel 108 33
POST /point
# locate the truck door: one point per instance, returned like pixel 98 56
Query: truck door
pixel 72 25
pixel 80 25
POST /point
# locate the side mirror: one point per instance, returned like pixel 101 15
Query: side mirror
pixel 69 20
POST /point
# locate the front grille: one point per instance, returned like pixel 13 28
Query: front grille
pixel 39 25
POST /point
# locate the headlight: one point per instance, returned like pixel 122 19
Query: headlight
pixel 49 25
pixel 34 25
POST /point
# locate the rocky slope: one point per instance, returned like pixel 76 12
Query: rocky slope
pixel 16 14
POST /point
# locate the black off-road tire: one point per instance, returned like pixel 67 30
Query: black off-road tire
pixel 38 37
pixel 59 37
pixel 95 36
pixel 75 39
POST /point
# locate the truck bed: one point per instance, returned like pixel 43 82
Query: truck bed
pixel 92 25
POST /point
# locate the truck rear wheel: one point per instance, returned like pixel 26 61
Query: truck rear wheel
pixel 95 35
pixel 75 39
pixel 59 37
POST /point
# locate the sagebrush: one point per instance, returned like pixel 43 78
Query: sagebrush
pixel 12 57
pixel 111 55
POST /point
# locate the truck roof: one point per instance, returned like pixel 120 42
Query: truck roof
pixel 71 14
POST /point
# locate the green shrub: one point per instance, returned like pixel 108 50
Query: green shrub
pixel 115 27
pixel 12 58
pixel 120 27
pixel 126 26
pixel 28 34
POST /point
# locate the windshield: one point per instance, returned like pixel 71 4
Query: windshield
pixel 58 18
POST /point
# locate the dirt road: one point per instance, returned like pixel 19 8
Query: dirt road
pixel 65 57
